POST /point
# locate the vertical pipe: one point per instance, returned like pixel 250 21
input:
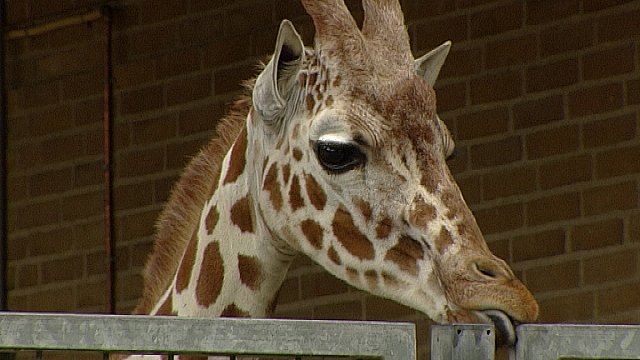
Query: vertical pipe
pixel 107 170
pixel 4 239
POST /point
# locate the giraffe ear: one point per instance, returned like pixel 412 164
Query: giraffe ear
pixel 428 66
pixel 278 77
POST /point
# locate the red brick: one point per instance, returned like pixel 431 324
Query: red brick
pixel 500 248
pixel 609 131
pixel 622 25
pixel 321 284
pixel 65 269
pixel 539 245
pixel 154 130
pixel 553 208
pixel 17 11
pixel 379 309
pixel 566 37
pixel 178 62
pixel 85 174
pixel 451 96
pixel 63 148
pixel 459 162
pixel 633 91
pixel 552 142
pixel 539 12
pixel 617 162
pixel 552 75
pixel 496 153
pixel 565 172
pixel 132 196
pixel 150 11
pixel 57 241
pixel 58 299
pixel 51 182
pixel 496 20
pixel 143 99
pixel 133 73
pixel 509 182
pixel 608 62
pixel 595 5
pixel 462 62
pixel 27 275
pixel 434 31
pixel 92 295
pixel 179 154
pixel 200 30
pixel 82 206
pixel 610 198
pixel 84 84
pixel 188 89
pixel 425 9
pixel 471 189
pixel 500 218
pixel 511 52
pixel 141 162
pixel 38 95
pixel 595 100
pixel 50 120
pixel 150 40
pixel 88 235
pixel 482 123
pixel 538 112
pixel 67 62
pixel 562 276
pixel 618 299
pixel 226 51
pixel 500 86
pixel 34 215
pixel 634 227
pixel 610 267
pixel 349 310
pixel 574 307
pixel 289 291
pixel 128 287
pixel 597 235
pixel 199 6
pixel 201 119
pixel 88 111
pixel 137 225
pixel 247 18
pixel 231 79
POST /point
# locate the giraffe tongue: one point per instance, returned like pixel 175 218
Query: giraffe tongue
pixel 505 328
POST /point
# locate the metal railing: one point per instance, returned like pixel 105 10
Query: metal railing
pixel 298 338
pixel 538 342
pixel 176 335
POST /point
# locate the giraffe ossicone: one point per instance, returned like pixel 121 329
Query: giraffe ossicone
pixel 337 153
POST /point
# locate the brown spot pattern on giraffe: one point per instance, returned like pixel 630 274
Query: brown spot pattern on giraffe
pixel 406 254
pixel 350 237
pixel 313 232
pixel 334 256
pixel 286 172
pixel 383 229
pixel 232 310
pixel 250 270
pixel 211 275
pixel 444 240
pixel 422 214
pixel 237 159
pixel 297 154
pixel 364 207
pixel 271 185
pixel 241 215
pixel 211 220
pixel 315 193
pixel 371 277
pixel 187 263
pixel 166 308
pixel 310 102
pixel 295 199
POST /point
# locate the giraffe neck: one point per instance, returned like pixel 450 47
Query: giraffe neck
pixel 232 265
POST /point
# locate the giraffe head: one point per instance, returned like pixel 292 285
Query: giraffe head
pixel 355 173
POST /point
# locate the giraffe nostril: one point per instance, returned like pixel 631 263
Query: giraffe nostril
pixel 490 270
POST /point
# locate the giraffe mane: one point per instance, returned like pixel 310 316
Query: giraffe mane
pixel 181 215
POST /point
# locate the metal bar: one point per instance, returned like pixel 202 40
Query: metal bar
pixel 157 334
pixel 3 169
pixel 552 341
pixel 469 342
pixel 107 155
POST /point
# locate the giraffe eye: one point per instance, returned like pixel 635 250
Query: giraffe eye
pixel 338 157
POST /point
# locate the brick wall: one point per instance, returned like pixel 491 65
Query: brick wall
pixel 543 98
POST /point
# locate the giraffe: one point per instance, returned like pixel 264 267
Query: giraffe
pixel 335 152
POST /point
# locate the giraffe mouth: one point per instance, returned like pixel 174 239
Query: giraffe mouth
pixel 505 326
